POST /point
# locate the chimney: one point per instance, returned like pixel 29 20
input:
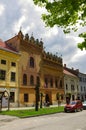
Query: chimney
pixel 77 70
pixel 72 68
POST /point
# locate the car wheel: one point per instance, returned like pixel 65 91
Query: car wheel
pixel 75 110
pixel 81 109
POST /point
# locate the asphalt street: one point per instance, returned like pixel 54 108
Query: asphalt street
pixel 59 121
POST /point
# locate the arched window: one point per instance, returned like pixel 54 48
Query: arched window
pixel 32 62
pixel 46 83
pixel 56 83
pixel 31 80
pixel 24 79
pixel 60 83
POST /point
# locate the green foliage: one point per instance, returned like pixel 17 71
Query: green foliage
pixel 83 44
pixel 67 14
pixel 64 13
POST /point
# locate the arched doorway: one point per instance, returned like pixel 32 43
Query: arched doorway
pixel 4 99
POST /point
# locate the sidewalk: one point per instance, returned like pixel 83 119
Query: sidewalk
pixel 26 108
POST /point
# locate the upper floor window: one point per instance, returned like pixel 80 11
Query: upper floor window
pixel 77 88
pixel 51 82
pixel 13 64
pixel 31 80
pixel 56 83
pixel 72 87
pixel 3 62
pixel 80 78
pixel 2 74
pixel 46 83
pixel 66 87
pixel 24 79
pixel 81 88
pixel 13 76
pixel 32 62
pixel 60 83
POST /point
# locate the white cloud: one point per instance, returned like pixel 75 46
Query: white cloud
pixel 2 8
pixel 19 23
pixel 51 32
pixel 79 55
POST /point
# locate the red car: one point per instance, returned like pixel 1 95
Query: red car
pixel 73 106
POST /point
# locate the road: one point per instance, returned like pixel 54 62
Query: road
pixel 60 121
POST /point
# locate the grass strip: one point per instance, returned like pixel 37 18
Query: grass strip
pixel 32 112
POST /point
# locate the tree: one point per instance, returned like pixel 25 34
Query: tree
pixel 67 14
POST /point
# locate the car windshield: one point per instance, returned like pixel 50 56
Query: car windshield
pixel 72 103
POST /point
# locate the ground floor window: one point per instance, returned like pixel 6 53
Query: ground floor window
pixel 12 96
pixel 2 74
pixel 25 97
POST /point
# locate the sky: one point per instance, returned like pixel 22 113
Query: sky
pixel 16 14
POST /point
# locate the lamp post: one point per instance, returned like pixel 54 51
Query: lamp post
pixel 37 93
pixel 37 96
pixel 41 96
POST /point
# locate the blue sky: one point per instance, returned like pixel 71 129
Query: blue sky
pixel 23 13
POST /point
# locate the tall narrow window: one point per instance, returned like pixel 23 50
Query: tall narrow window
pixel 32 62
pixel 2 74
pixel 24 79
pixel 51 83
pixel 60 83
pixel 25 97
pixel 13 76
pixel 31 80
pixel 66 87
pixel 56 83
pixel 12 96
pixel 46 83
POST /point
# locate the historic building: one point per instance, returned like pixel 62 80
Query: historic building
pixel 82 86
pixel 82 82
pixel 71 85
pixel 36 64
pixel 9 58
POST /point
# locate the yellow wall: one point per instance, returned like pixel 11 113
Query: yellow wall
pixel 8 84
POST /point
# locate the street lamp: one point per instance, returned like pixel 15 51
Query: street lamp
pixel 37 93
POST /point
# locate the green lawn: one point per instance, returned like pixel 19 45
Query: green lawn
pixel 32 112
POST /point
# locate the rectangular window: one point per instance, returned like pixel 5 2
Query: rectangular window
pixel 13 64
pixel 13 76
pixel 25 97
pixel 2 74
pixel 12 96
pixel 3 62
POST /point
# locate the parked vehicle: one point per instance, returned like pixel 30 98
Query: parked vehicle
pixel 73 106
pixel 84 105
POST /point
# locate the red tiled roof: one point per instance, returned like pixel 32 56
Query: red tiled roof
pixel 4 46
pixel 68 73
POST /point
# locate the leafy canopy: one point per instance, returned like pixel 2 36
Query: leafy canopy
pixel 67 14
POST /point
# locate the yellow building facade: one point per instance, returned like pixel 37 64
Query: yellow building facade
pixel 34 64
pixel 9 72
